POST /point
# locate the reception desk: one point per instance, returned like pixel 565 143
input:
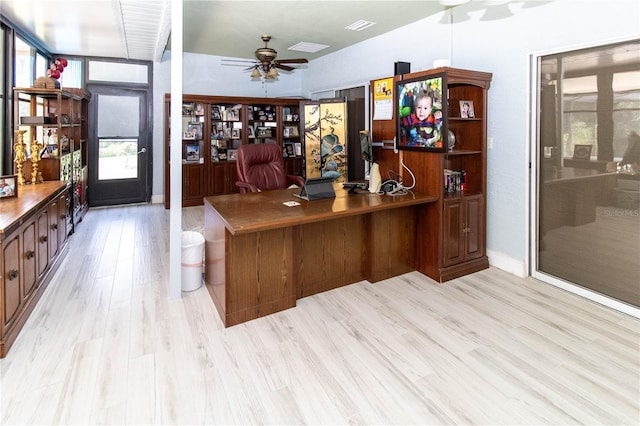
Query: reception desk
pixel 262 255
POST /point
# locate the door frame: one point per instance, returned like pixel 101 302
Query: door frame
pixel 146 133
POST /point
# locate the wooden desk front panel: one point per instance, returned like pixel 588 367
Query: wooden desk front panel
pixel 391 243
pixel 330 254
pixel 248 275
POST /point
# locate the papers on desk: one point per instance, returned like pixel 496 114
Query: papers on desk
pixel 291 203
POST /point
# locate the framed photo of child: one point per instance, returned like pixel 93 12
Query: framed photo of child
pixel 466 109
pixel 421 122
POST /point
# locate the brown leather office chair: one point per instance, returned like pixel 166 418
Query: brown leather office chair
pixel 261 168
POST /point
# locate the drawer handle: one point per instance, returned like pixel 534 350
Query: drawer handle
pixel 43 239
pixel 54 226
pixel 30 254
pixel 13 274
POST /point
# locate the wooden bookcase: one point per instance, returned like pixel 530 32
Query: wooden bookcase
pixel 222 124
pixel 452 235
pixel 57 119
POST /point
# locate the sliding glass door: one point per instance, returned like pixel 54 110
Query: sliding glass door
pixel 587 179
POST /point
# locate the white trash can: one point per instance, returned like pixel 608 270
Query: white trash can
pixel 192 260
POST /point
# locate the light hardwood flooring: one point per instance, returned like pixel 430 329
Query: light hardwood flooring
pixel 105 345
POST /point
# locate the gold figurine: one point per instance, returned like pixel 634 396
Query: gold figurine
pixel 36 175
pixel 20 156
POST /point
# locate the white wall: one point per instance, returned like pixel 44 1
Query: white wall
pixel 502 47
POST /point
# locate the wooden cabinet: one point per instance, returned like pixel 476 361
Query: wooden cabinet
pixel 57 120
pixel 222 125
pixel 463 230
pixel 33 239
pixel 453 229
pixel 11 277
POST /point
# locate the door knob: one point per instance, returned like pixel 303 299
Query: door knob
pixel 142 150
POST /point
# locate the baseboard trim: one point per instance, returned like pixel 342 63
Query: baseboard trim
pixel 516 267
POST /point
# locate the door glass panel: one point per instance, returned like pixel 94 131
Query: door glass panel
pixel 118 159
pixel 118 116
pixel 589 169
pixel 118 128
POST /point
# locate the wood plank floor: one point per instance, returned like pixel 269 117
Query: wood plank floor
pixel 105 345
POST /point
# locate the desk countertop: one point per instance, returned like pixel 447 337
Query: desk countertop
pixel 568 174
pixel 258 211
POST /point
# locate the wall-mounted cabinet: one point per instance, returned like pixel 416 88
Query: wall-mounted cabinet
pixel 214 127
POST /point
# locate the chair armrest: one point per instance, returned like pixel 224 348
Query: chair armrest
pixel 248 187
pixel 298 180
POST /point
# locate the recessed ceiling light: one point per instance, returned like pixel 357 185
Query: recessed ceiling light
pixel 359 25
pixel 304 46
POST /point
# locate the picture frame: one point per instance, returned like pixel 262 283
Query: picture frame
pixel 291 132
pixel 215 112
pixel 421 123
pixel 289 149
pixel 232 154
pixel 199 109
pixel 192 153
pixel 189 135
pixel 9 186
pixel 195 127
pixel 250 132
pixel 264 132
pixel 235 133
pixel 466 109
pixel 582 152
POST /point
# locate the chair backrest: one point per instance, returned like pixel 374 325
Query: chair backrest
pixel 261 165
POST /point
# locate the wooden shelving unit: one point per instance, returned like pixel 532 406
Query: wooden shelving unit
pixel 226 123
pixel 452 235
pixel 63 133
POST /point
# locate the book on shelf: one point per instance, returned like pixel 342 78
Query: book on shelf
pixel 454 180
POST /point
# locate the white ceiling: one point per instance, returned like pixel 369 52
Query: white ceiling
pixel 139 29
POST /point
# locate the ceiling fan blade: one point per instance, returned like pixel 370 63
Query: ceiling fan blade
pixel 284 67
pixel 248 61
pixel 293 61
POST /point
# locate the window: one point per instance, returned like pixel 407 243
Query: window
pixel 24 66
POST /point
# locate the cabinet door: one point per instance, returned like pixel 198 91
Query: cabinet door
pixel 218 178
pixel 453 232
pixel 63 219
pixel 42 241
pixel 11 298
pixel 232 178
pixel 53 229
pixel 193 183
pixel 29 265
pixel 474 229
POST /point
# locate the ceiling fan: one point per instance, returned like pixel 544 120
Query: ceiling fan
pixel 266 65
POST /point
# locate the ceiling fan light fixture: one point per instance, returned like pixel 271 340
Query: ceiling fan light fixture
pixel 255 73
pixel 273 72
